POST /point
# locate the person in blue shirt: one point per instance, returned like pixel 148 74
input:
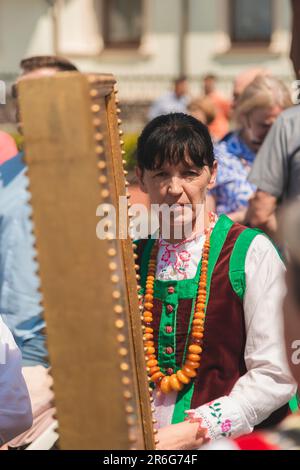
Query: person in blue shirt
pixel 20 299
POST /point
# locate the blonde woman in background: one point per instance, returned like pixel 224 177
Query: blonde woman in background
pixel 256 110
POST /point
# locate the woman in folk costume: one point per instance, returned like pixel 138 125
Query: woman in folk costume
pixel 212 300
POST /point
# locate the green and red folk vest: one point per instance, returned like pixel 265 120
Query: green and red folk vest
pixel 222 362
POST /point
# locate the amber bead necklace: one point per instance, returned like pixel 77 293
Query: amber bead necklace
pixel 176 382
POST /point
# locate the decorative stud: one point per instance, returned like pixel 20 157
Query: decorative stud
pixel 112 252
pixel 112 266
pixel 105 193
pixel 92 78
pixel 115 278
pixel 94 93
pixel 118 309
pixel 102 179
pixel 130 420
pixel 119 324
pixel 127 394
pixel 101 165
pixel 124 366
pixel 126 380
pixel 116 294
pixel 121 338
pixel 123 352
pixel 98 136
pixel 96 122
pixel 95 108
pixel 99 149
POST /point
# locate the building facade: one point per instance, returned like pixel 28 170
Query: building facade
pixel 146 43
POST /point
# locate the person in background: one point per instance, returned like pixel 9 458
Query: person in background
pixel 244 79
pixel 8 147
pixel 20 300
pixel 174 101
pixel 220 125
pixel 202 109
pixel 256 110
pixel 15 409
pixel 287 435
pixel 276 171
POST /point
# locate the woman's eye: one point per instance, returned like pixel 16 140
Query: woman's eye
pixel 161 174
pixel 191 173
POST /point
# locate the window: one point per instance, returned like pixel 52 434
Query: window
pixel 251 21
pixel 122 23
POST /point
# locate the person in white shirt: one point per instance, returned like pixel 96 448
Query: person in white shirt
pixel 15 407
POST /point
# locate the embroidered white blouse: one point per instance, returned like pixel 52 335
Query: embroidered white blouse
pixel 268 383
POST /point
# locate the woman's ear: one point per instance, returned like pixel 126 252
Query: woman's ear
pixel 140 176
pixel 213 175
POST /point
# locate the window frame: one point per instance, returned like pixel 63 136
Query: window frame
pixel 117 45
pixel 247 42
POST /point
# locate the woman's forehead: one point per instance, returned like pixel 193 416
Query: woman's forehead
pixel 183 164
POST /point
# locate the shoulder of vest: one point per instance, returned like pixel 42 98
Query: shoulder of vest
pixel 238 255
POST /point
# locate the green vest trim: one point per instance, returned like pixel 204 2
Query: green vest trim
pixel 237 274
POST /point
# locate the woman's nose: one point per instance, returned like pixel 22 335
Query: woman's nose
pixel 175 187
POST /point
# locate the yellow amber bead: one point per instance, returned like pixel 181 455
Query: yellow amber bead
pixel 152 363
pixel 199 315
pixel 148 305
pixel 197 335
pixel 165 385
pixel 192 364
pixel 194 349
pixel 148 336
pixel 175 384
pixel 149 297
pixel 150 350
pixel 148 330
pixel 198 322
pixel 153 370
pixel 189 372
pixel 183 378
pixel 193 357
pixel 156 376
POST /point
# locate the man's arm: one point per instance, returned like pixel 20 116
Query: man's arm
pixel 262 212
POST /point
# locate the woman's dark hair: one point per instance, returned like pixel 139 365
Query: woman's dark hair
pixel 174 138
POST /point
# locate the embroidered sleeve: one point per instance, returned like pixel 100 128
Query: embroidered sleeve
pixel 222 418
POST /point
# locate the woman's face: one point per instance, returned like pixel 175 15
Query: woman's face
pixel 258 124
pixel 178 186
pixel 292 328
